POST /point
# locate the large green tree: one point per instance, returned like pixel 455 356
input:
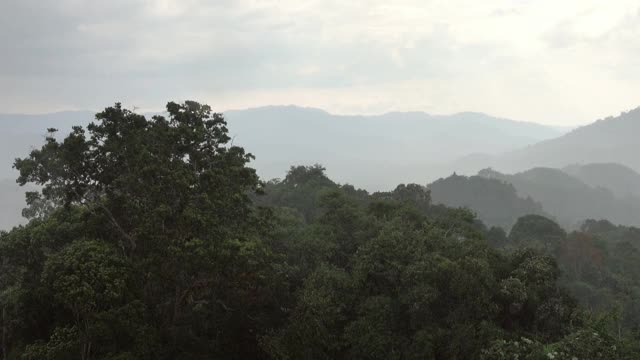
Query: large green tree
pixel 166 231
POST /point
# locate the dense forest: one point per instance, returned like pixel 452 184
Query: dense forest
pixel 153 238
pixel 495 202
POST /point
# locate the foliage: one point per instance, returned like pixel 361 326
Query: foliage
pixel 496 202
pixel 537 232
pixel 154 249
pixel 154 239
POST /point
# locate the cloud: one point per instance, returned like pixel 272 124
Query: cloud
pixel 546 61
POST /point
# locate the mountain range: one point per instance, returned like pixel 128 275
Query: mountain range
pixel 376 152
pixel 609 140
pixel 570 200
pixel 569 196
pixel 589 172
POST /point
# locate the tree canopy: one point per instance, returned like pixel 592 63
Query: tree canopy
pixel 152 238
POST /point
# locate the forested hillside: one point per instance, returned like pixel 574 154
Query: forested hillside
pixel 568 199
pixel 494 201
pixel 153 238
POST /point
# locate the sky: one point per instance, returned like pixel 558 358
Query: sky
pixel 559 62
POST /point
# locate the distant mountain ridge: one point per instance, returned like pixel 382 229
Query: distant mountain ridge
pixel 377 152
pixel 610 140
pixel 621 180
pixel 568 199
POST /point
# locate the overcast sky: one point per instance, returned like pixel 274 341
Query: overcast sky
pixel 549 61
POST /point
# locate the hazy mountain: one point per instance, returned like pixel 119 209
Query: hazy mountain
pixel 495 202
pixel 374 151
pixel 611 140
pixel 377 152
pixel 568 199
pixel 621 180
